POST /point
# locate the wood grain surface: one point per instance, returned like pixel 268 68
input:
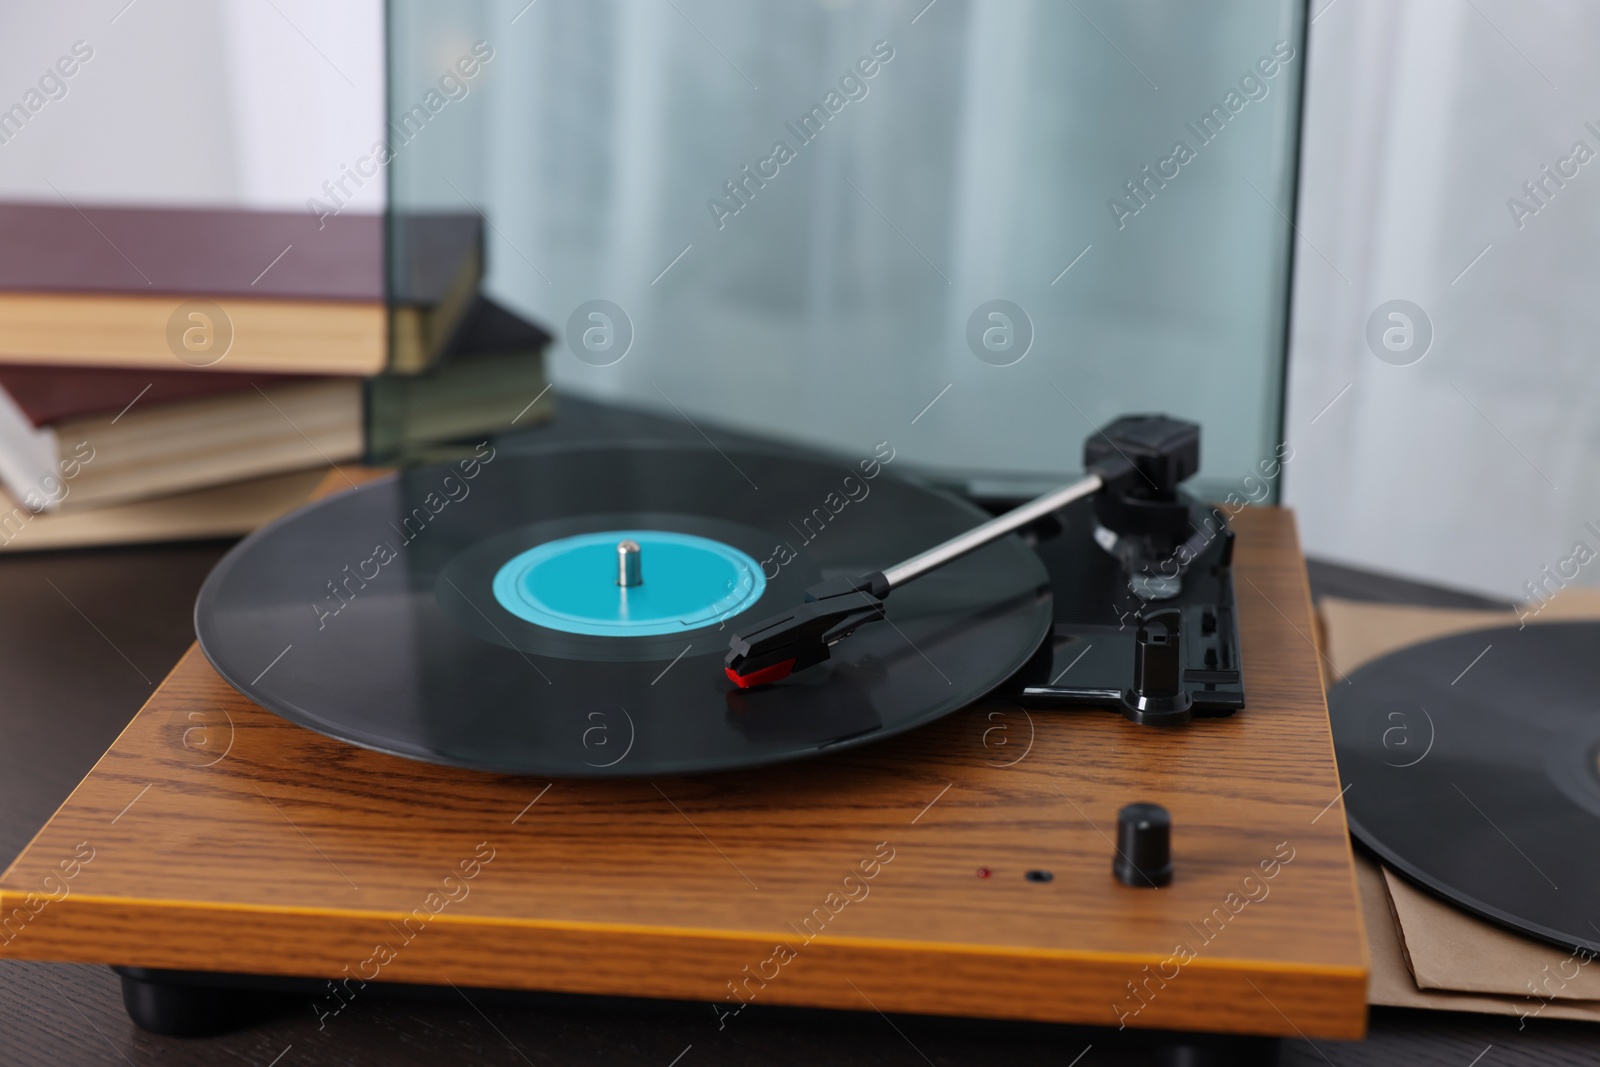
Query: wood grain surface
pixel 224 838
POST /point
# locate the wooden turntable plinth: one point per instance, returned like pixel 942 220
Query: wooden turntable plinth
pixel 215 836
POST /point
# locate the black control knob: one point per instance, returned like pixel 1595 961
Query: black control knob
pixel 1144 846
pixel 1158 697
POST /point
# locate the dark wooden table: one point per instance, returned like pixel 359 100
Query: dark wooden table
pixel 85 635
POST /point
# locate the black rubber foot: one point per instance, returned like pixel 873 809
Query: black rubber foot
pixel 1221 1051
pixel 179 1004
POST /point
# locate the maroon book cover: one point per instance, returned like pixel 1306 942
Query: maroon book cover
pixel 48 395
pixel 60 248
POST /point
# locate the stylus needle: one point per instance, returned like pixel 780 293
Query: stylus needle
pixel 799 638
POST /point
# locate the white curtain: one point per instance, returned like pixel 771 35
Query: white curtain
pixel 236 103
pixel 1473 466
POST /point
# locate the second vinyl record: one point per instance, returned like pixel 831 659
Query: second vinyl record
pixel 1473 768
pixel 480 621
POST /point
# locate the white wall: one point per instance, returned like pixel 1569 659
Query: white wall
pixel 1474 466
pixel 238 103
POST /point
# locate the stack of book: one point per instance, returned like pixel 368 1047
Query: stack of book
pixel 179 373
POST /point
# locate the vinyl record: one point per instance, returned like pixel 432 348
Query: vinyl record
pixel 1471 768
pixel 471 613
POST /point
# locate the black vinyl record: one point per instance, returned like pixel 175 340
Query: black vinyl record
pixel 381 616
pixel 1471 764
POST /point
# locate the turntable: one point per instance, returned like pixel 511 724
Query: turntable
pixel 741 727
